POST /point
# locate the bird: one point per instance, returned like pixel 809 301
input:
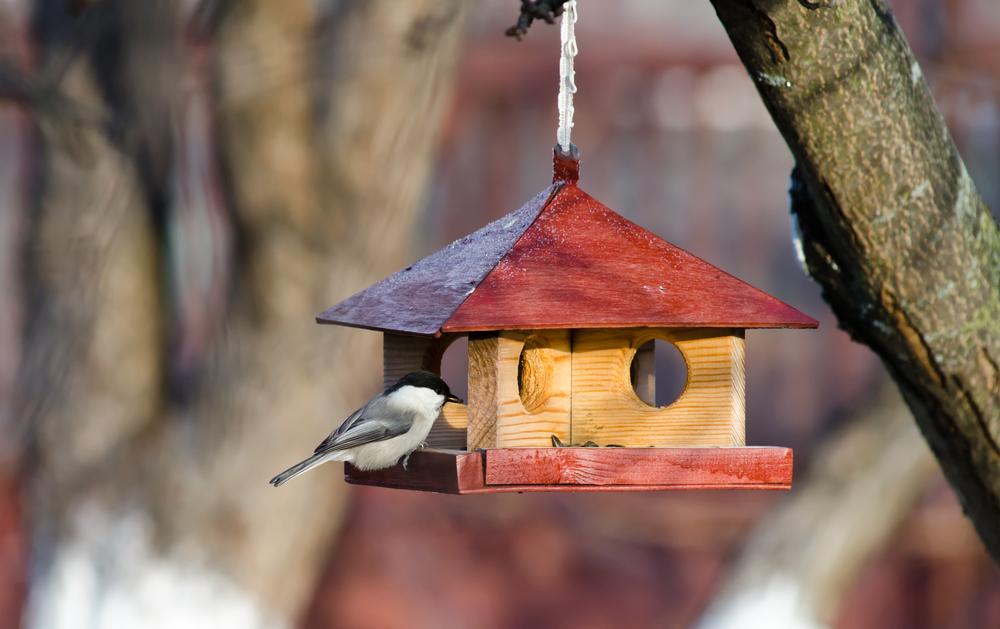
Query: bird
pixel 388 428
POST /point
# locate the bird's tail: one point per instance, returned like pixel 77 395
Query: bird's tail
pixel 302 467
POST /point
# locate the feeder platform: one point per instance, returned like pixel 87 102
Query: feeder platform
pixel 506 470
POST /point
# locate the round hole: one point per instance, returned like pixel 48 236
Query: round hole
pixel 534 374
pixel 658 373
pixel 455 367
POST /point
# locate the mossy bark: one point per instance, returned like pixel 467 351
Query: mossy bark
pixel 893 227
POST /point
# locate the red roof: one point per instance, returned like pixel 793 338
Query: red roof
pixel 564 260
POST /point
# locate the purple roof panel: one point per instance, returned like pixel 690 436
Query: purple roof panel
pixel 421 297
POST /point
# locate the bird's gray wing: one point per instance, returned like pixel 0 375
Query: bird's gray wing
pixel 341 429
pixel 372 422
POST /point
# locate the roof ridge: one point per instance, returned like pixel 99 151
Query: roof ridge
pixel 555 188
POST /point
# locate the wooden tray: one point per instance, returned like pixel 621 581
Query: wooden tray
pixel 585 469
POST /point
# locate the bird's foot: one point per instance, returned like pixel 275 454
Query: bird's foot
pixel 406 459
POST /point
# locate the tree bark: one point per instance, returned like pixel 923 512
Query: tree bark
pixel 149 482
pixel 801 558
pixel 892 226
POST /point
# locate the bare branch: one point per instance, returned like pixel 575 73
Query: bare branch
pixel 531 10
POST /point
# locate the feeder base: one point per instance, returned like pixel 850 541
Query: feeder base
pixel 500 470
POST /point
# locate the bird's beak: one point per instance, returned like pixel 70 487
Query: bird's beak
pixel 454 398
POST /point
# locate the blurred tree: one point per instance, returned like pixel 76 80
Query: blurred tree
pixel 150 452
pixel 892 225
pixel 801 558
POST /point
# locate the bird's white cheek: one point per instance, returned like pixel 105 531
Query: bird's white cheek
pixel 421 400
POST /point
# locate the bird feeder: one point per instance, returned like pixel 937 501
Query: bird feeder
pixel 559 300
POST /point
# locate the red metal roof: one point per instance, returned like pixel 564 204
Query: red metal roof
pixel 564 260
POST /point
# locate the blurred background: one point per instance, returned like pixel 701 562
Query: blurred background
pixel 186 184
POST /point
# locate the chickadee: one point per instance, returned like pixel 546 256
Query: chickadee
pixel 389 427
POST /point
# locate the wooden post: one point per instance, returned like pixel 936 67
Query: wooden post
pixel 402 354
pixel 483 375
pixel 710 411
pixel 519 388
pixel 644 369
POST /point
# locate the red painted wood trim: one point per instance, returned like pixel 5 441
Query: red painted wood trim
pixel 581 265
pixel 442 471
pixel 562 470
pixel 563 260
pixel 701 467
pixel 584 489
pixel 565 166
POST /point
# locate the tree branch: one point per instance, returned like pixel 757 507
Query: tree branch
pixel 531 10
pixel 893 227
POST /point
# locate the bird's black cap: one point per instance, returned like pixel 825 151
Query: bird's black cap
pixel 426 380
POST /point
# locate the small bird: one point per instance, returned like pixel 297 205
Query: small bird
pixel 389 427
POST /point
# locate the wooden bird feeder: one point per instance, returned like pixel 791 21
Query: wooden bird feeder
pixel 557 298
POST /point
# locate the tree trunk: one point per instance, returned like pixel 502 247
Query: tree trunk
pixel 151 452
pixel 892 226
pixel 802 557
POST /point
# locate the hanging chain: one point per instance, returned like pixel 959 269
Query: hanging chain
pixel 567 76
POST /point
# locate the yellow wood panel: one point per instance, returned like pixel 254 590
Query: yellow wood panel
pixel 546 384
pixel 498 417
pixel 709 412
pixel 402 354
pixel 483 374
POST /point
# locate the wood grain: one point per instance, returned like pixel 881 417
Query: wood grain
pixel 581 265
pixel 546 373
pixel 709 412
pixel 510 470
pixel 639 466
pixel 499 417
pixel 484 372
pixel 402 354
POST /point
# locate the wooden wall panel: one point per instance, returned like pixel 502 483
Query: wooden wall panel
pixel 500 418
pixel 547 375
pixel 484 371
pixel 710 411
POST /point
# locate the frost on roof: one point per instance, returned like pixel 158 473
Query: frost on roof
pixel 421 297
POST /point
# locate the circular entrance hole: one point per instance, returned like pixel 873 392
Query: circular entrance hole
pixel 455 367
pixel 534 374
pixel 658 373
